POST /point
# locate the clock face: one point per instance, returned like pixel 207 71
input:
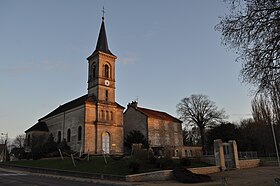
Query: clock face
pixel 107 83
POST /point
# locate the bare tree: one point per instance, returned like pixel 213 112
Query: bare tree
pixel 261 110
pixel 253 29
pixel 19 141
pixel 200 111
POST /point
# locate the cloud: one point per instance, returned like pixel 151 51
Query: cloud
pixel 128 59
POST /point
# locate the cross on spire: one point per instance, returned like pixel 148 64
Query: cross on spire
pixel 103 13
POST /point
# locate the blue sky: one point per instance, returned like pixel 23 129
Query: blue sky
pixel 166 50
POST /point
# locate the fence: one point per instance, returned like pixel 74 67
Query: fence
pixel 245 155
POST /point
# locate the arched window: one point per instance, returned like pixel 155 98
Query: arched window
pixel 111 116
pixel 106 70
pixel 28 140
pixel 68 135
pixel 106 143
pixel 102 115
pixel 93 71
pixel 59 137
pixel 79 133
pixel 107 115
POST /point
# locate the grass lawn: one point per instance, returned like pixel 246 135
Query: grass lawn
pixel 98 165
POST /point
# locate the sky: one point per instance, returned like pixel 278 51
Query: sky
pixel 166 50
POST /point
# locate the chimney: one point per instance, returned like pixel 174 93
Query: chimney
pixel 133 104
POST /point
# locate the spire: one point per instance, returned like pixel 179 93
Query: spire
pixel 102 44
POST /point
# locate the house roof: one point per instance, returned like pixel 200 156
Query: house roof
pixel 102 44
pixel 40 126
pixel 158 114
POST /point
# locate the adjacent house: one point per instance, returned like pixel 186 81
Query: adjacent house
pixel 162 131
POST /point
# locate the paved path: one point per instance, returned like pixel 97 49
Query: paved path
pixel 261 176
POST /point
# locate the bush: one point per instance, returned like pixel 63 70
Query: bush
pixel 185 162
pixel 134 166
pixel 153 160
pixel 143 154
pixel 165 163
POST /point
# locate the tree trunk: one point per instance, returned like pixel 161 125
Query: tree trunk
pixel 202 135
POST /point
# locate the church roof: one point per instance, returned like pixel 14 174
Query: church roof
pixel 73 104
pixel 67 106
pixel 158 114
pixel 40 126
pixel 102 44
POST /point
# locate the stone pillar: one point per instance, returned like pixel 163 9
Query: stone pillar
pixel 235 153
pixel 219 154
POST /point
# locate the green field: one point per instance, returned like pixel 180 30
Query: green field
pixel 98 165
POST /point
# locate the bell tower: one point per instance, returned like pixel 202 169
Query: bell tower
pixel 101 70
pixel 104 116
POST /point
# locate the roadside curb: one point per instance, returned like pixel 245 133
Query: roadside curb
pixel 69 175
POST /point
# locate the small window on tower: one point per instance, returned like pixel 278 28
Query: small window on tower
pixel 106 68
pixel 106 95
pixel 94 71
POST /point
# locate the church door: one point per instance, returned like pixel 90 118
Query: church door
pixel 106 143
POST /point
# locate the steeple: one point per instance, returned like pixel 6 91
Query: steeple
pixel 102 44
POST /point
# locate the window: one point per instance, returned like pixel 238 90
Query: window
pixel 107 115
pixel 106 69
pixel 167 139
pixel 166 126
pixel 157 139
pixel 106 95
pixel 175 127
pixel 106 143
pixel 176 139
pixel 68 135
pixel 28 139
pixel 156 126
pixel 59 137
pixel 111 116
pixel 102 115
pixel 79 133
pixel 94 71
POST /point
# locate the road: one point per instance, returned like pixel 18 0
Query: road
pixel 15 178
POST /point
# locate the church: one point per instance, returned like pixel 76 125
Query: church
pixel 92 123
pixel 96 124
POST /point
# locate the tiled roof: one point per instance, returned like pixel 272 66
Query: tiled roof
pixel 67 106
pixel 158 114
pixel 73 104
pixel 40 126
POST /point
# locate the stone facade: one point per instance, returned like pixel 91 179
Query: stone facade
pixel 159 128
pixel 92 123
